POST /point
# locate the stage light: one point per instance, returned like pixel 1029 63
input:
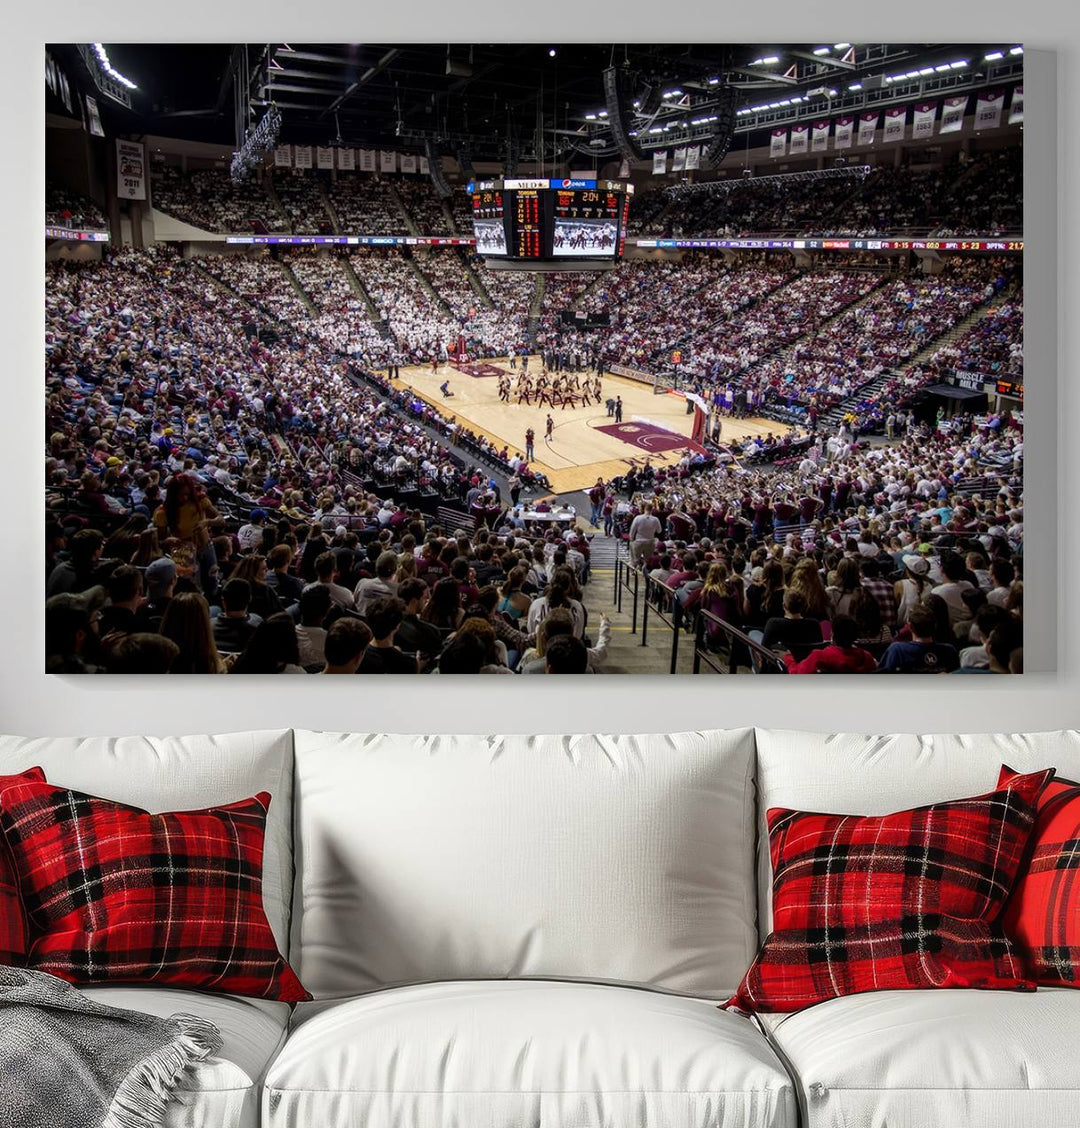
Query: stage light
pixel 994 55
pixel 552 52
pixel 821 50
pixel 1016 50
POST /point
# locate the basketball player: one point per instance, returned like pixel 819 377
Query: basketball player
pixel 530 439
pixel 549 428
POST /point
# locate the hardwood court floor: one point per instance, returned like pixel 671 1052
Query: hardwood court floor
pixel 578 453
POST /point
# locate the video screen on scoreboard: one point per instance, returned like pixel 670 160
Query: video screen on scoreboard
pixel 584 238
pixel 490 236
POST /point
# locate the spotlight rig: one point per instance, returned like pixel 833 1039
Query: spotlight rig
pixel 256 144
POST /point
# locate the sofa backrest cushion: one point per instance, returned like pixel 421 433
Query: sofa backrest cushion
pixel 179 774
pixel 617 859
pixel 850 773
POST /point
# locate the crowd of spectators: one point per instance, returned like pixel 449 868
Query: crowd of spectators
pixel 905 557
pixel 365 205
pixel 424 206
pixel 994 345
pixel 301 197
pixel 211 200
pixel 982 196
pixel 65 208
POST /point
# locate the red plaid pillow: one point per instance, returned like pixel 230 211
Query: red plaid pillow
pixel 13 931
pixel 1042 917
pixel 115 894
pixel 908 900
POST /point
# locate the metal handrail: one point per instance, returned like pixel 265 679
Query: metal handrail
pixel 675 622
pixel 768 660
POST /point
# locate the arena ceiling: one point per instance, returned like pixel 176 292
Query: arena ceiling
pixel 480 99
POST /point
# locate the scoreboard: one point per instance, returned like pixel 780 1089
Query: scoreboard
pixel 551 219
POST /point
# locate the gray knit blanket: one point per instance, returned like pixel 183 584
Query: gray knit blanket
pixel 67 1061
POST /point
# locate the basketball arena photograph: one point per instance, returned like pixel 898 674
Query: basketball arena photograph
pixel 534 358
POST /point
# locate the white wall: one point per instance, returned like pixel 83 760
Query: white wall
pixel 32 703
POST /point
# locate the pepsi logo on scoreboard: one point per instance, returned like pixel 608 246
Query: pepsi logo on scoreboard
pixel 573 183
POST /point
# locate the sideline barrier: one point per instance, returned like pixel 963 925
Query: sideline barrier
pixel 764 661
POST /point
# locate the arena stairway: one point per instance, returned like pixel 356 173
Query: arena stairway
pixel 360 290
pixel 328 207
pixel 409 222
pixel 425 283
pixel 297 285
pixel 474 281
pixel 536 310
pixel 279 207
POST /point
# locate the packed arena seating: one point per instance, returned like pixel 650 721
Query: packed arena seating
pixel 932 523
pixel 64 208
pixel 733 337
pixel 461 211
pixel 301 196
pixel 211 200
pixel 994 345
pixel 980 196
pixel 365 205
pixel 423 205
pixel 259 278
pixel 883 332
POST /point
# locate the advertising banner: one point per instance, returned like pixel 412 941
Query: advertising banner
pixel 799 137
pixel 778 143
pixel 680 160
pixel 693 157
pixel 659 162
pixel 819 140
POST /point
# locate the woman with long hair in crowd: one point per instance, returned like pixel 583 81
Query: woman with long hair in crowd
pixel 272 649
pixel 806 579
pixel 264 600
pixel 187 623
pixel 444 609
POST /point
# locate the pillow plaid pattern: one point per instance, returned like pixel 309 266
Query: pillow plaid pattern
pixel 115 894
pixel 907 900
pixel 1042 917
pixel 13 937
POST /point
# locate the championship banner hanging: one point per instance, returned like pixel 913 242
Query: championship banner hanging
pixel 324 157
pixel 680 160
pixel 988 107
pixel 843 132
pixel 303 156
pixel 659 162
pixel 346 159
pixel 867 127
pixel 819 140
pixel 923 125
pixel 693 157
pixel 778 143
pixel 367 160
pixel 130 170
pixel 425 168
pixel 952 114
pixel 95 117
pixel 1016 106
pixel 894 124
pixel 799 137
pixel 408 162
pixel 283 156
pixel 387 160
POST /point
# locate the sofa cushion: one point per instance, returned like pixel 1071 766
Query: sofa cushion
pixel 911 1059
pixel 625 859
pixel 1043 914
pixel 223 1091
pixel 839 772
pixel 904 900
pixel 177 774
pixel 521 1054
pixel 14 931
pixel 115 894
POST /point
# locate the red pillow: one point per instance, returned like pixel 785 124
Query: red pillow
pixel 13 931
pixel 117 895
pixel 1042 917
pixel 908 900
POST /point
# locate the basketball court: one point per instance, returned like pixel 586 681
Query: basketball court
pixel 587 443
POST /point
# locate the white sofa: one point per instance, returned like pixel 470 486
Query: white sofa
pixel 534 932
